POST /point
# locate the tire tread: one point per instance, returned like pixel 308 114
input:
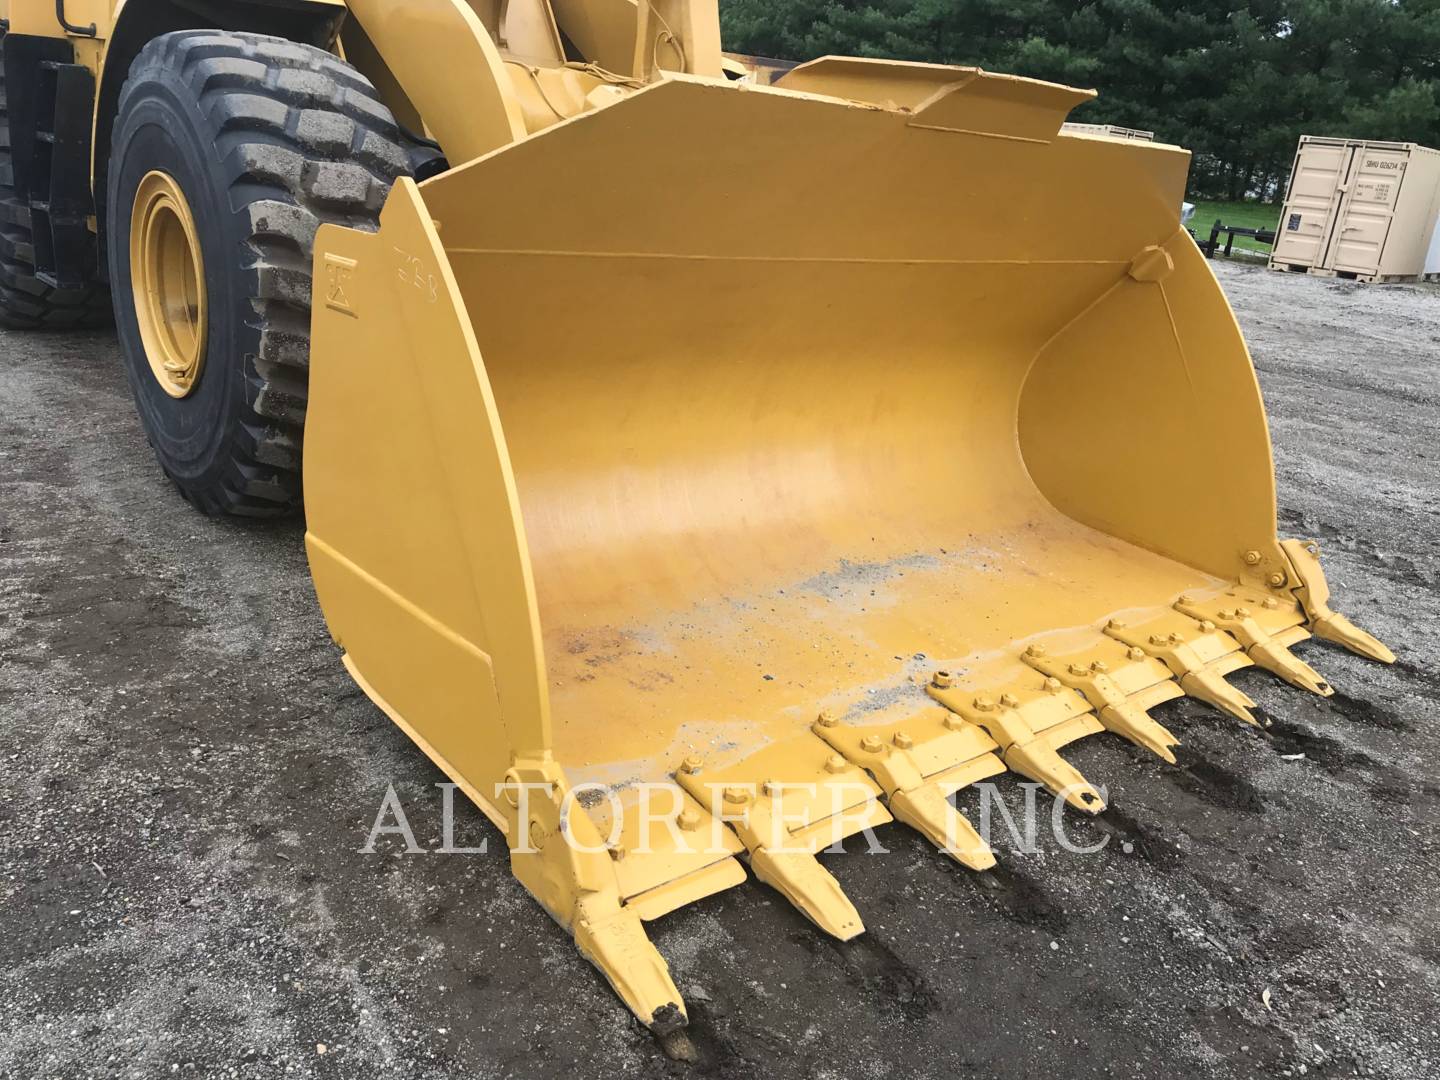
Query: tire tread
pixel 304 140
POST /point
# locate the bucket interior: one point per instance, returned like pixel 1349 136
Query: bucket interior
pixel 765 414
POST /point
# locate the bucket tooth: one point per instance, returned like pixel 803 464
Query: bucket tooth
pixel 1029 721
pixel 1037 761
pixel 1212 689
pixel 1314 595
pixel 1135 724
pixel 1197 652
pixel 558 854
pixel 614 940
pixel 799 877
pixel 1275 656
pixel 1266 628
pixel 785 804
pixel 1337 628
pixel 928 811
pixel 1120 684
pixel 918 763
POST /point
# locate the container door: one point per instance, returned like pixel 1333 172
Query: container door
pixel 1311 203
pixel 1367 209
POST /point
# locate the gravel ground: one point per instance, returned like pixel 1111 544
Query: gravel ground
pixel 186 774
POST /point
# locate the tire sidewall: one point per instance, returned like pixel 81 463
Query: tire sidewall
pixel 162 127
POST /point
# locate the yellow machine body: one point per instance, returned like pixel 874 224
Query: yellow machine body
pixel 770 461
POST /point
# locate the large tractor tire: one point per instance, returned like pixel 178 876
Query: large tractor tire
pixel 229 151
pixel 26 302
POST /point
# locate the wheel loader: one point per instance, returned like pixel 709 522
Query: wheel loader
pixel 700 472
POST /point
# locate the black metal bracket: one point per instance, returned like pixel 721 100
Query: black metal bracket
pixel 59 182
pixel 69 27
pixel 1264 236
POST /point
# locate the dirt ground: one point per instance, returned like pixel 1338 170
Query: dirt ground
pixel 186 774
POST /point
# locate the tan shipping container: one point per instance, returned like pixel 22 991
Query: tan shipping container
pixel 1360 210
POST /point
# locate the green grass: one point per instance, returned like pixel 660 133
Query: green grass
pixel 1248 215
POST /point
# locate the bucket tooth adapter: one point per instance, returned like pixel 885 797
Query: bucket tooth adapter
pixel 700 472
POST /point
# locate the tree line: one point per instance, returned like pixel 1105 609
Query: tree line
pixel 1235 83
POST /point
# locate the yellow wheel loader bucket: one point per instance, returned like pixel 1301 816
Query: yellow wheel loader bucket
pixel 727 470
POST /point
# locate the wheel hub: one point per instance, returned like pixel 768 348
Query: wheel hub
pixel 168 277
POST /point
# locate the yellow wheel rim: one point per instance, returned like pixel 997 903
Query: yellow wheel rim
pixel 168 276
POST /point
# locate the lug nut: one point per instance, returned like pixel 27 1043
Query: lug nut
pixel 1252 558
pixel 1158 639
pixel 942 680
pixel 954 723
pixel 871 744
pixel 903 740
pixel 1270 603
pixel 1100 667
pixel 1226 613
pixel 984 704
pixel 1053 684
pixel 1242 612
pixel 688 820
pixel 617 851
pixel 1206 625
pixel 769 787
pixel 1185 598
pixel 1117 624
pixel 835 764
pixel 692 764
pixel 1009 701
pixel 827 718
pixel 1276 580
pixel 1035 650
pixel 737 795
pixel 1136 653
pixel 1079 669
